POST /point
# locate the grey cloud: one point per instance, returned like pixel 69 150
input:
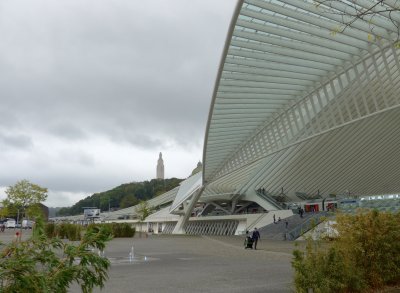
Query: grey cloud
pixel 56 198
pixel 140 73
pixel 117 68
pixel 8 120
pixel 73 181
pixel 68 131
pixel 70 181
pixel 18 141
pixel 86 159
pixel 144 141
pixel 81 158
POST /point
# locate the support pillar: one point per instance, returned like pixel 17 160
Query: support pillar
pixel 179 227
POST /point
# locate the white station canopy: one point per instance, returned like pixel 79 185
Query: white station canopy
pixel 301 99
pixel 186 189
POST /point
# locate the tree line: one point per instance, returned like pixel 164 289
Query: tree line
pixel 122 196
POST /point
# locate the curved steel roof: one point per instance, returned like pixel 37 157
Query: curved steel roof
pixel 290 80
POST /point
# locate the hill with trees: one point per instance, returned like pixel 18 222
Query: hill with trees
pixel 122 196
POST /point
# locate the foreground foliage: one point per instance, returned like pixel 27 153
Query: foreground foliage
pixel 43 264
pixel 365 256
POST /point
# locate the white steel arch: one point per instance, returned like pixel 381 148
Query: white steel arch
pixel 291 90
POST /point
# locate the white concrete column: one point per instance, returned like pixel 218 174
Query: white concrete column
pixel 179 227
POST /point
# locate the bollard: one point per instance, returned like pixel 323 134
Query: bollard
pixel 17 237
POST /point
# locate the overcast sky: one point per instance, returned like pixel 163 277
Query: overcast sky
pixel 92 90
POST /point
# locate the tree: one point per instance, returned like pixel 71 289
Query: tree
pixel 8 210
pixel 63 212
pixel 142 210
pixel 140 190
pixel 128 201
pixel 369 13
pixel 43 264
pixel 25 197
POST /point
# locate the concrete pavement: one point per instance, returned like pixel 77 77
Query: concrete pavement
pixel 173 264
pixel 198 264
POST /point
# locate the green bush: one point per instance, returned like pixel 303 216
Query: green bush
pixel 73 231
pixel 118 230
pixel 36 265
pixel 61 231
pixel 127 230
pixel 50 230
pixel 324 271
pixel 365 256
pixel 64 231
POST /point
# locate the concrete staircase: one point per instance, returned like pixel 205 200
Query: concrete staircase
pixel 278 230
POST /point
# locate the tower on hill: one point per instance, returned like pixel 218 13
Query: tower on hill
pixel 160 167
pixel 197 169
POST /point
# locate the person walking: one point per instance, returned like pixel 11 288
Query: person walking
pixel 301 211
pixel 255 236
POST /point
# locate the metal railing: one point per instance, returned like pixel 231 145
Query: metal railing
pixel 307 225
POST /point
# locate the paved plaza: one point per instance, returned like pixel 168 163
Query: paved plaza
pixel 195 264
pixel 198 264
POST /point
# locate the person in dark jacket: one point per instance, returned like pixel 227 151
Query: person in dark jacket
pixel 255 236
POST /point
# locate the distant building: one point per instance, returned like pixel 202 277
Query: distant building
pixel 45 211
pixel 160 167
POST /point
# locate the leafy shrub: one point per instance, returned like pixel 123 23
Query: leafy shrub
pixel 61 230
pixel 36 266
pixel 64 231
pixel 73 231
pixel 324 271
pixel 127 230
pixel 365 256
pixel 372 241
pixel 118 230
pixel 50 230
